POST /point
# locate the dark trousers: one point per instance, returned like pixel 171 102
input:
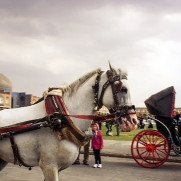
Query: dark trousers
pixel 86 153
pixel 97 156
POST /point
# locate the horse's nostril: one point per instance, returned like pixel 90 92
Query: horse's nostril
pixel 134 121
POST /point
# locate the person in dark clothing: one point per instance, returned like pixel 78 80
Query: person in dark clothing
pixel 86 155
pixel 177 117
pixel 150 125
pixel 109 128
pixel 141 124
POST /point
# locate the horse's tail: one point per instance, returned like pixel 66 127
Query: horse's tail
pixel 2 164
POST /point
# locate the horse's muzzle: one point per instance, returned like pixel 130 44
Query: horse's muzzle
pixel 127 118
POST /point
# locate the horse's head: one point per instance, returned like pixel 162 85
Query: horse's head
pixel 115 95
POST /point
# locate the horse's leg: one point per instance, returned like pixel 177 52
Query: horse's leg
pixel 59 178
pixel 50 172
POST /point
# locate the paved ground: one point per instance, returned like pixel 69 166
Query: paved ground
pixel 117 165
pixel 114 169
pixel 122 149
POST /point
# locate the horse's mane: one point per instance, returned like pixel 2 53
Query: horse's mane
pixel 73 87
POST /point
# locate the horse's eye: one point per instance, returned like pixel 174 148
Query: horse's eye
pixel 124 90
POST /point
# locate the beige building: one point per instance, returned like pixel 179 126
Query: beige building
pixel 5 92
pixel 143 110
pixel 34 99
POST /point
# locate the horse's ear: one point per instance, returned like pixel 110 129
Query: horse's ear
pixel 119 72
pixel 124 74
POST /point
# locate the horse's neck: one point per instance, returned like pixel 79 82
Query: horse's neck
pixel 81 102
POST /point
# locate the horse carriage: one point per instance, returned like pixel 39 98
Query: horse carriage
pixel 151 148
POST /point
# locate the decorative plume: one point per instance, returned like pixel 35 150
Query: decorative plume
pixel 110 66
pixel 112 69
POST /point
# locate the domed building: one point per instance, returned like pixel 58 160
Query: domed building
pixel 5 92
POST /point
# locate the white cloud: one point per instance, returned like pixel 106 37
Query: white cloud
pixel 58 41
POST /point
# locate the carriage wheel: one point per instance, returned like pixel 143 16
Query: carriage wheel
pixel 150 148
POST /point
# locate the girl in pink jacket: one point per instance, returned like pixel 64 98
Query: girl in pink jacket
pixel 97 145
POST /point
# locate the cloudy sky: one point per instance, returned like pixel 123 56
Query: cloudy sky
pixel 45 43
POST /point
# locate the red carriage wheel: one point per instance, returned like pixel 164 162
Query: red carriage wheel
pixel 150 148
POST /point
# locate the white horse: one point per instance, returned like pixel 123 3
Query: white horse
pixel 41 147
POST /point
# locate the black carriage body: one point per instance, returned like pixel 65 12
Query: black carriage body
pixel 161 105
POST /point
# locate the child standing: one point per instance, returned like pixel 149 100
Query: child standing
pixel 97 145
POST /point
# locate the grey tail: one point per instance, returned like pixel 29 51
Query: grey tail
pixel 2 164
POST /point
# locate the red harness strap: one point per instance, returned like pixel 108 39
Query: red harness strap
pixel 97 118
pixel 13 128
pixel 54 103
pixel 92 117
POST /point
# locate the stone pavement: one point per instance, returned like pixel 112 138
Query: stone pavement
pixel 122 149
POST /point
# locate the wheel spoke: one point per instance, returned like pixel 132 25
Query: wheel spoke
pixel 160 154
pixel 146 156
pixel 155 157
pixel 139 147
pixel 156 139
pixel 142 142
pixel 148 138
pixel 144 138
pixel 157 154
pixel 163 141
pixel 159 145
pixel 142 153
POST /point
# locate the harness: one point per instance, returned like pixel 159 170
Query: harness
pixel 59 118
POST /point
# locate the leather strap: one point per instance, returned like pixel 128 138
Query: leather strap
pixel 17 157
pixel 111 79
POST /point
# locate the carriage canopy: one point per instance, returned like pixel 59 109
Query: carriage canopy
pixel 162 103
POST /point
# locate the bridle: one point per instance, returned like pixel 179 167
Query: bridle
pixel 116 85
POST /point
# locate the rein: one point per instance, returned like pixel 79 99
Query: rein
pixel 98 118
pixel 93 117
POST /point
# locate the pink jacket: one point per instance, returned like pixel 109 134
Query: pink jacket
pixel 97 141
